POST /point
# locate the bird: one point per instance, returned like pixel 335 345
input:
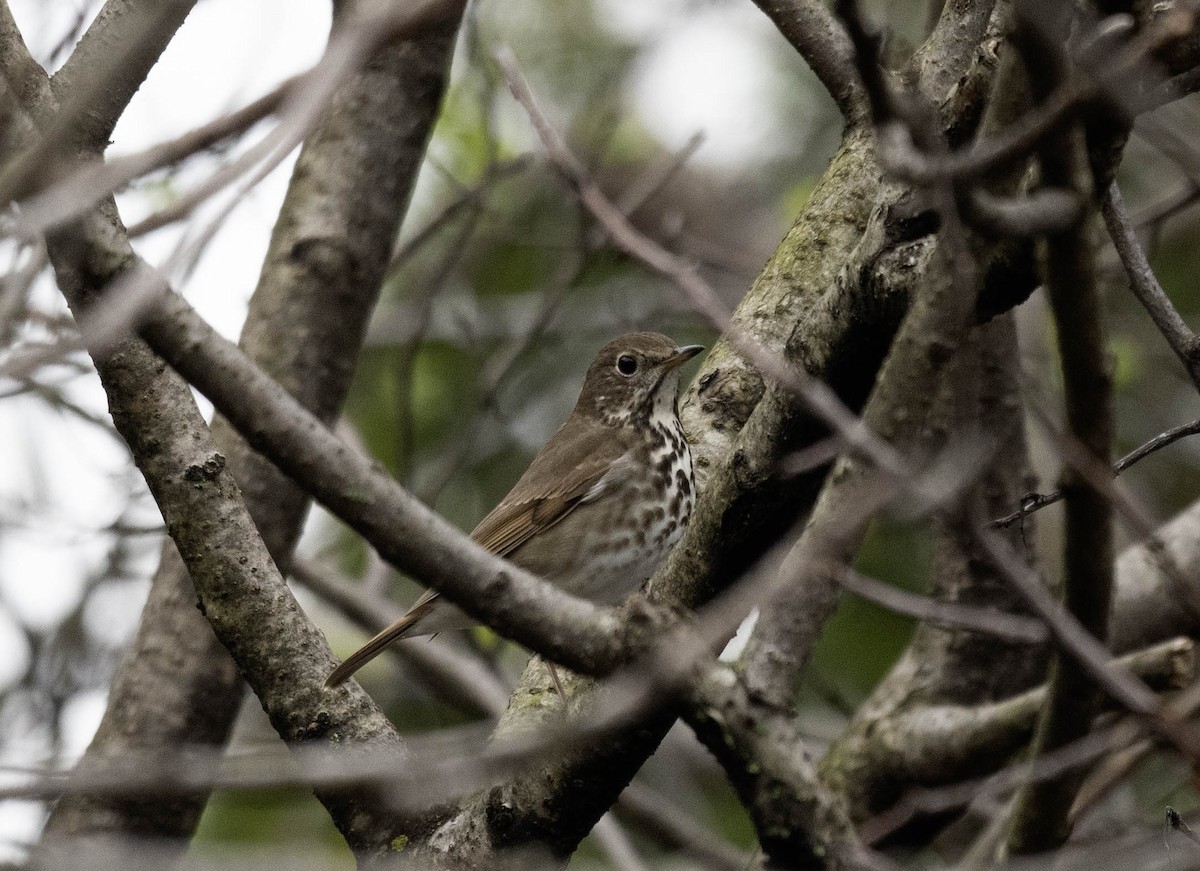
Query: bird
pixel 601 504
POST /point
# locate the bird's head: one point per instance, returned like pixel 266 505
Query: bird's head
pixel 632 376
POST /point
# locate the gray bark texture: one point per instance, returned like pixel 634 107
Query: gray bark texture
pixel 323 272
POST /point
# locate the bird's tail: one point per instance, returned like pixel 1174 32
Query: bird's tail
pixel 375 646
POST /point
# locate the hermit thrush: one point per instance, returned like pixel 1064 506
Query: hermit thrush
pixel 602 503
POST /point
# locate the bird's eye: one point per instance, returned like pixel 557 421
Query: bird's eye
pixel 626 365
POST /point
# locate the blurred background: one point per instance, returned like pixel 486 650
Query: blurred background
pixel 696 115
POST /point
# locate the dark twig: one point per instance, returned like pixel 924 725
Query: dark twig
pixel 984 156
pixel 1037 501
pixel 1040 815
pixel 1146 287
pixel 864 46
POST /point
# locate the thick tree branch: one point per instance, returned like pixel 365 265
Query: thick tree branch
pixel 931 745
pixel 800 301
pixel 942 66
pixel 243 595
pixel 1040 817
pixel 977 397
pixel 324 267
pixel 110 63
pixel 874 761
pixel 929 335
pixel 168 437
pixel 804 596
pixel 801 823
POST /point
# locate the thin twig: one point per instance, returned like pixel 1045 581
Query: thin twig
pixel 665 820
pixel 469 196
pixel 1083 647
pixel 302 105
pixel 1037 501
pixel 1146 287
pixel 435 665
pixel 938 800
pixel 88 184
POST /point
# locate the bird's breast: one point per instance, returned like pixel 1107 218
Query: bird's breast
pixel 607 548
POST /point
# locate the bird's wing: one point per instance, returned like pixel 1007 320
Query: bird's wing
pixel 579 463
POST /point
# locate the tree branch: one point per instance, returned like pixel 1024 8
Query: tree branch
pixel 1033 502
pixel 1040 817
pixel 463 680
pixel 243 596
pixel 110 63
pixel 932 745
pixel 1146 287
pixel 821 40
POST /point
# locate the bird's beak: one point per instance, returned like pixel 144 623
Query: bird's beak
pixel 681 356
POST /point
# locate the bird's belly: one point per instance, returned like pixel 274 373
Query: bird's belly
pixel 607 549
pixel 607 574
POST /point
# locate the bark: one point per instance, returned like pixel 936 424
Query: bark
pixel 307 318
pixel 110 63
pixel 831 299
pixel 1040 817
pixel 329 250
pixel 871 762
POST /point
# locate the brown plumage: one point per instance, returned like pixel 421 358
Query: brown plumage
pixel 601 504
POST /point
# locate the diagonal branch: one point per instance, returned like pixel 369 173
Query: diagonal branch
pixel 244 597
pixel 1145 286
pixel 110 63
pixel 1033 502
pixel 806 592
pixel 88 184
pixel 238 584
pixel 821 40
pixel 332 241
